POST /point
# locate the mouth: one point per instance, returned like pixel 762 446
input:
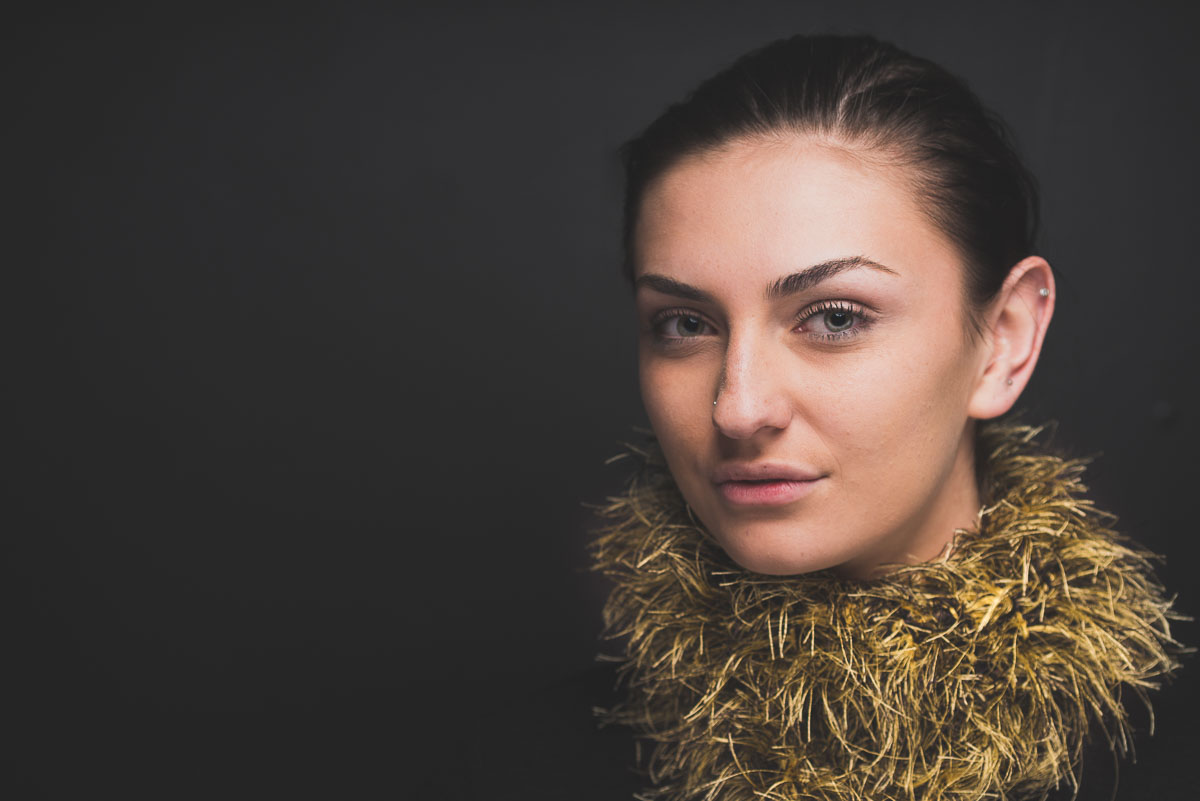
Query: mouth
pixel 766 492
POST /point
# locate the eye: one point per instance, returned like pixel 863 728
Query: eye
pixel 680 324
pixel 833 320
pixel 838 319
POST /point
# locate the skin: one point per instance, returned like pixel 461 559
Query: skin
pixel 868 381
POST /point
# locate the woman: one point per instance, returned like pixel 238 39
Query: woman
pixel 839 576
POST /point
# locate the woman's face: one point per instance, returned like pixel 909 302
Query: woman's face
pixel 803 290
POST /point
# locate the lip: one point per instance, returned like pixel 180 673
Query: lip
pixel 765 493
pixel 764 483
pixel 763 471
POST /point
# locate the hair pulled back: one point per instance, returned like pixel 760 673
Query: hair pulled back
pixel 872 97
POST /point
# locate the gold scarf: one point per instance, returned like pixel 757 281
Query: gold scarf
pixel 976 676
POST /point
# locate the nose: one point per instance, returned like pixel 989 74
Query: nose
pixel 750 396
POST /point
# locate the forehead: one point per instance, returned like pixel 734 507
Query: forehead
pixel 773 206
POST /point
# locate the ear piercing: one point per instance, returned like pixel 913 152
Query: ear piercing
pixel 1008 382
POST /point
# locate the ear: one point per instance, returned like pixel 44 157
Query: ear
pixel 1016 323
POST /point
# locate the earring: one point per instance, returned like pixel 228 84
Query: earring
pixel 1008 381
pixel 714 403
pixel 1044 292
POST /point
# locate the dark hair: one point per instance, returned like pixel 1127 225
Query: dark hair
pixel 871 96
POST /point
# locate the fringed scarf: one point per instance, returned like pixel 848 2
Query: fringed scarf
pixel 976 676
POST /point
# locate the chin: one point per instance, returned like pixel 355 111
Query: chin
pixel 774 553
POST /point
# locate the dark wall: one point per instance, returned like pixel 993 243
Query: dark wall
pixel 320 346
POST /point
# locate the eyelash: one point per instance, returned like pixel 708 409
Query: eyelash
pixel 862 321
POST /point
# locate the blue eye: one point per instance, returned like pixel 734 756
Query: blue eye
pixel 680 324
pixel 833 320
pixel 838 319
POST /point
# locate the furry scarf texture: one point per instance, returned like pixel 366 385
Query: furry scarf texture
pixel 976 676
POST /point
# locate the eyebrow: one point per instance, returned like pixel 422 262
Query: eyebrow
pixel 787 285
pixel 811 276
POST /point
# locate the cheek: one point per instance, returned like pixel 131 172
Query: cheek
pixel 677 396
pixel 899 403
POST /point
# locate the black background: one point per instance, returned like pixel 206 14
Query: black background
pixel 319 347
